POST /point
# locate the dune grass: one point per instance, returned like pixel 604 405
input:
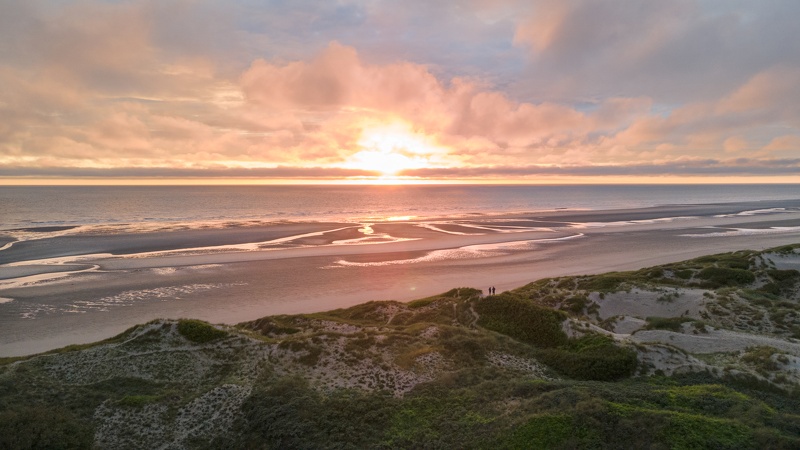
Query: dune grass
pixel 589 398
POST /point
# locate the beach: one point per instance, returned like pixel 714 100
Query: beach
pixel 71 285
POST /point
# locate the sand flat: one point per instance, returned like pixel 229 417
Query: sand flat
pixel 130 243
pixel 231 285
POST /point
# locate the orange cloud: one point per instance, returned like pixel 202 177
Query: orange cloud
pixel 773 92
pixel 154 85
pixel 337 85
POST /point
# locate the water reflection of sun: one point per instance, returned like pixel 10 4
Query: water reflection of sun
pixel 390 149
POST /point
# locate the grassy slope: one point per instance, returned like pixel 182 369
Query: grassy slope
pixel 452 370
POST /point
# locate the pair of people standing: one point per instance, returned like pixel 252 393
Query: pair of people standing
pixel 492 290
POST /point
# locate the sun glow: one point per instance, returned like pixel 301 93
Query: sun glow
pixel 390 149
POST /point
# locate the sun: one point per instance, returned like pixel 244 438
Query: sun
pixel 390 149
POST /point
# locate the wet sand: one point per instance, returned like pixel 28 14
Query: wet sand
pixel 230 275
pixel 130 243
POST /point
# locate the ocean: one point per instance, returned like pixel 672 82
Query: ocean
pixel 48 206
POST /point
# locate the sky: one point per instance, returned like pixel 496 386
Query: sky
pixel 498 91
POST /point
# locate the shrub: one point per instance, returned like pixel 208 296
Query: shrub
pixel 565 283
pixel 737 260
pixel 591 358
pixel 137 401
pixel 696 431
pixel 684 274
pixel 463 293
pixel 465 349
pixel 414 304
pixel 312 357
pixel 665 323
pixel 654 273
pixel 699 326
pixel 271 326
pixel 365 313
pixel 723 276
pixel 784 275
pixel 43 427
pixel 199 331
pixel 522 320
pixel 602 283
pixel 668 297
pixel 576 305
pixel 785 281
pixel 761 359
pixel 783 250
pixel 544 431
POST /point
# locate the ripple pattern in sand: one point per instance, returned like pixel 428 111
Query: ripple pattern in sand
pixel 122 299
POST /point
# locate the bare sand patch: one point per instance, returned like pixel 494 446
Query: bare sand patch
pixel 628 324
pixel 643 303
pixel 715 340
pixel 784 261
pixel 668 360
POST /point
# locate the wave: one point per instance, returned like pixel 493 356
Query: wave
pixel 755 212
pixel 744 232
pixel 465 252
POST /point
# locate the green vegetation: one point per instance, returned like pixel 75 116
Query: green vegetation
pixel 275 325
pixel 723 276
pixel 610 282
pixel 684 274
pixel 475 410
pixel 783 250
pixel 666 323
pixel 592 357
pixel 43 427
pixel 199 331
pixel 522 320
pixel 782 282
pixel 522 369
pixel 576 305
pixel 137 401
pixel 764 359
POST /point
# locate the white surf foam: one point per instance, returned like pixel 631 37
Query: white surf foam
pixel 29 280
pixel 745 232
pixel 755 212
pixel 466 252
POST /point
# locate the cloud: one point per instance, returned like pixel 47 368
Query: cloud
pixel 739 121
pixel 337 81
pixel 670 51
pixel 688 168
pixel 167 172
pixel 707 167
pixel 784 143
pixel 771 95
pixel 576 86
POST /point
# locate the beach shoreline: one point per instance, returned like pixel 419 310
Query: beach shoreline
pixel 90 287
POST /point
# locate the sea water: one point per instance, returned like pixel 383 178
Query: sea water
pixel 45 206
